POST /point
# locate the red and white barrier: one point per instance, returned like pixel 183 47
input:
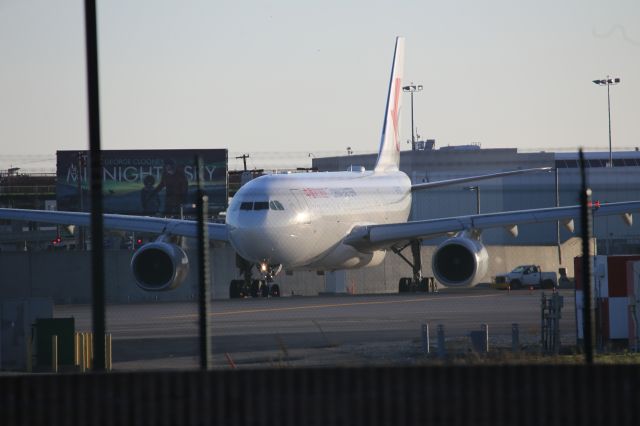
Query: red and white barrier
pixel 611 296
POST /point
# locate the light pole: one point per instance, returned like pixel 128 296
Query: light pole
pixel 608 82
pixel 557 221
pixel 477 190
pixel 412 88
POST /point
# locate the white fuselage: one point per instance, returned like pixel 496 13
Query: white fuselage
pixel 300 220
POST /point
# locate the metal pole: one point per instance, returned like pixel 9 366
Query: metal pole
pixel 203 271
pixel 97 245
pixel 478 199
pixel 587 267
pixel 515 337
pixel 411 89
pixel 81 165
pixel 557 221
pixel 442 351
pixel 426 346
pixel 413 138
pixel 485 337
pixel 54 353
pixel 609 111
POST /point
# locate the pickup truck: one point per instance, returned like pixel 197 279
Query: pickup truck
pixel 525 276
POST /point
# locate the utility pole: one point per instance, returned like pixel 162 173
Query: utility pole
pixel 244 160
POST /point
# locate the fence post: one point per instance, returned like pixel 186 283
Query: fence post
pixel 425 339
pixel 442 352
pixel 485 337
pixel 515 338
pixel 54 353
pixel 108 352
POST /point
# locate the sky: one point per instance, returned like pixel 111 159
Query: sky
pixel 297 79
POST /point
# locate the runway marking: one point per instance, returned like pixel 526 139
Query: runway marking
pixel 324 306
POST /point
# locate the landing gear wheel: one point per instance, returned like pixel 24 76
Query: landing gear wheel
pixel 255 288
pixel 264 289
pixel 274 291
pixel 404 285
pixel 235 289
pixel 245 290
pixel 424 285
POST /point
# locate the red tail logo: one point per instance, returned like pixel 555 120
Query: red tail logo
pixel 395 112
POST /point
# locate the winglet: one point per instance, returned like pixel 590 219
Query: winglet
pixel 389 155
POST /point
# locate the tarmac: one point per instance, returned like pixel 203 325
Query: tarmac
pixel 297 331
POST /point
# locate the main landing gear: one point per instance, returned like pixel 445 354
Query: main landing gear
pixel 417 283
pixel 249 287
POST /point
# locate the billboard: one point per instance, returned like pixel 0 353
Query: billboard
pixel 143 182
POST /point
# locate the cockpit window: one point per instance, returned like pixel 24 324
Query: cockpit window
pixel 276 205
pixel 261 205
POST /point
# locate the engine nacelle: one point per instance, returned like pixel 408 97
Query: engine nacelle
pixel 460 261
pixel 159 266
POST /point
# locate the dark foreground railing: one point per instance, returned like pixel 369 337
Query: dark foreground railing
pixel 453 395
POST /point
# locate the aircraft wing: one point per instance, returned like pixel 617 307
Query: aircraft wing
pixel 447 182
pixel 187 228
pixel 371 237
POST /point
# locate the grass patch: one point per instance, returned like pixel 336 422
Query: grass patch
pixel 506 357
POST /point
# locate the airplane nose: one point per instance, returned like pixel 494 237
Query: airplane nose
pixel 252 242
pixel 257 242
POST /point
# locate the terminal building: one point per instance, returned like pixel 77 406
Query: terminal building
pixel 609 184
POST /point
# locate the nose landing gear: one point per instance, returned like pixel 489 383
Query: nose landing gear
pixel 250 287
pixel 269 272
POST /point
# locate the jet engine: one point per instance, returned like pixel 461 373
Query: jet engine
pixel 159 266
pixel 460 261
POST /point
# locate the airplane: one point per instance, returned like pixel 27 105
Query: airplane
pixel 331 221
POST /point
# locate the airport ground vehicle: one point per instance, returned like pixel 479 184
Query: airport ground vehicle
pixel 526 276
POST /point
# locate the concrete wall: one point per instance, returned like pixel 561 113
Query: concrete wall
pixel 384 277
pixel 65 275
pixel 501 259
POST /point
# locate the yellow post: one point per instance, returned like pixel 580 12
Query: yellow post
pixel 87 349
pixel 54 353
pixel 90 363
pixel 107 350
pixel 76 349
pixel 83 358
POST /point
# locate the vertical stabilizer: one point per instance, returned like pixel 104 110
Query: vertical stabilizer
pixel 389 155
